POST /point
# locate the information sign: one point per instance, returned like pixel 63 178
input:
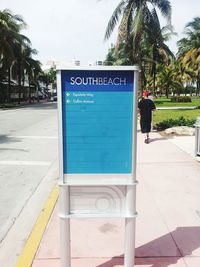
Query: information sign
pixel 97 115
pixel 97 140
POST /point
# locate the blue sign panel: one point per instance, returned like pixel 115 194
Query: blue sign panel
pixel 97 108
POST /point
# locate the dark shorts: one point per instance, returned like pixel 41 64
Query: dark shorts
pixel 145 126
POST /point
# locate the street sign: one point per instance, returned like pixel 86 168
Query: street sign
pixel 98 126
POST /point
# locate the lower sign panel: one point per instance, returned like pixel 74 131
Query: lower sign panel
pixel 97 200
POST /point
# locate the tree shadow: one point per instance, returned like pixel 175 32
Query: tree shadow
pixel 165 250
pixel 42 106
pixel 6 139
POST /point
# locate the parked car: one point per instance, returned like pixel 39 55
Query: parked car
pixel 54 96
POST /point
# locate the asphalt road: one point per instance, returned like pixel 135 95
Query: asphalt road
pixel 28 150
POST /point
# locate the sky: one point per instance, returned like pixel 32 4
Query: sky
pixel 66 30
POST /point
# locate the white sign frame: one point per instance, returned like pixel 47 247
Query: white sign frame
pixel 71 183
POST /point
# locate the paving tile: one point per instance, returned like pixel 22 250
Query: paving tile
pixel 152 236
pixel 188 240
pixel 97 232
pixel 50 243
pixel 46 263
pixel 160 262
pixel 170 177
pixel 160 150
pixel 83 262
pixel 192 261
pixel 115 262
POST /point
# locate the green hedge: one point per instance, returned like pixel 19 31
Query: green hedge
pixel 183 99
pixel 181 121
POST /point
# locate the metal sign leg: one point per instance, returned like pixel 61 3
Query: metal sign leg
pixel 129 252
pixel 65 242
pixel 129 249
pixel 65 254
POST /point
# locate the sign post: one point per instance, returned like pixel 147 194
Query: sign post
pixel 97 130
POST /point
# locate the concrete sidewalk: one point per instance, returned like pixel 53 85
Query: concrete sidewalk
pixel 168 225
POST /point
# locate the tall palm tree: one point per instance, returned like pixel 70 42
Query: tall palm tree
pixel 30 66
pixel 10 26
pixel 158 51
pixel 20 49
pixel 37 71
pixel 137 18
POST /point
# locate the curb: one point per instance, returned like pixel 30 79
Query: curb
pixel 177 108
pixel 30 249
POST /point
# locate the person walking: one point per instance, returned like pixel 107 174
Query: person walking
pixel 146 106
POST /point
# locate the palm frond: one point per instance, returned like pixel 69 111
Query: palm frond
pixel 125 27
pixel 165 8
pixel 114 19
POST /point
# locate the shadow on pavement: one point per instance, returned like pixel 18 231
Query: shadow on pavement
pixel 157 139
pixel 14 149
pixel 43 106
pixel 4 139
pixel 7 139
pixel 186 240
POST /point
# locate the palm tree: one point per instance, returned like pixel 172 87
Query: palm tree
pixel 189 49
pixel 10 26
pixel 120 56
pixel 44 78
pixel 20 49
pixel 167 79
pixel 137 18
pixel 30 68
pixel 182 74
pixel 37 71
pixel 157 51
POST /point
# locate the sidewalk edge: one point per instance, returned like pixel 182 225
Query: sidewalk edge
pixel 30 249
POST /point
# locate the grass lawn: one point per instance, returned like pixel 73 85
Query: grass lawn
pixel 161 115
pixel 164 102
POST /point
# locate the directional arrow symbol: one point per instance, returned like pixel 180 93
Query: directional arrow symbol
pixel 68 101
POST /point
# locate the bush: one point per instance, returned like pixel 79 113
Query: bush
pixel 8 105
pixel 181 121
pixel 183 99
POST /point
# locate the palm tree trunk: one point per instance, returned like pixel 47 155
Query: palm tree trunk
pixel 29 92
pixel 9 86
pixel 167 92
pixel 154 70
pixel 23 82
pixel 38 99
pixel 198 85
pixel 154 82
pixel 19 83
pixel 143 79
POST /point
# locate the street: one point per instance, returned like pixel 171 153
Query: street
pixel 28 151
